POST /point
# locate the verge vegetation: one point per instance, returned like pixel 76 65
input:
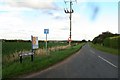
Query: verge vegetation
pixel 15 68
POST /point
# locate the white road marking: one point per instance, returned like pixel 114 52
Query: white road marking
pixel 92 51
pixel 104 59
pixel 107 61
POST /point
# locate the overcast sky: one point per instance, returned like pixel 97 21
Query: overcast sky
pixel 19 19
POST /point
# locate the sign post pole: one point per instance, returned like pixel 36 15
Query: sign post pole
pixel 20 59
pixel 32 49
pixel 46 43
pixel 31 57
pixel 46 31
pixel 32 43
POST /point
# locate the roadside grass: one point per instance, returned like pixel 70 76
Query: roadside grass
pixel 40 62
pixel 105 49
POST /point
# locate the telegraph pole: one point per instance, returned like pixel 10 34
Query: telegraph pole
pixel 69 12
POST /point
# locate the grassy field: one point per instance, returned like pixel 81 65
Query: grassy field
pixel 105 49
pixel 10 50
pixel 39 63
pixel 13 47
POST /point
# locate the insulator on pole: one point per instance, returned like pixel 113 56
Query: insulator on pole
pixel 72 11
pixel 66 10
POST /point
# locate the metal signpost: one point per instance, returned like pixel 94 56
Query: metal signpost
pixel 46 31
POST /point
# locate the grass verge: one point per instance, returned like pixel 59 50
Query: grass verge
pixel 105 49
pixel 39 63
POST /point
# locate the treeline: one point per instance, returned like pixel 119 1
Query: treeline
pixel 4 40
pixel 108 39
pixel 51 41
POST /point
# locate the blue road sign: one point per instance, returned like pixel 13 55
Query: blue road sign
pixel 46 31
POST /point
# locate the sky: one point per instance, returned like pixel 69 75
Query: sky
pixel 19 19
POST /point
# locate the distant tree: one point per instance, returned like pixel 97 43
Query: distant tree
pixel 89 41
pixel 83 40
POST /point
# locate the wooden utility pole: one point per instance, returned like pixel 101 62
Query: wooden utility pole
pixel 70 12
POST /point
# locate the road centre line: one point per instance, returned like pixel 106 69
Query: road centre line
pixel 92 51
pixel 107 61
pixel 104 59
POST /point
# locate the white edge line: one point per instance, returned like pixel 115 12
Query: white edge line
pixel 107 61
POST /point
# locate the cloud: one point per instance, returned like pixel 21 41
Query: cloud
pixel 18 23
pixel 58 16
pixel 65 28
pixel 35 4
pixel 55 14
pixel 97 1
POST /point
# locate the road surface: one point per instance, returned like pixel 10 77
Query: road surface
pixel 87 63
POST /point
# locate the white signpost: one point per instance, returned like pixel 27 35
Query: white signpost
pixel 46 31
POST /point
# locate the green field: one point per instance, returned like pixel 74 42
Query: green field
pixel 10 50
pixel 12 47
pixel 39 63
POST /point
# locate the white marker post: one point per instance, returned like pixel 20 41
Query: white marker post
pixel 46 31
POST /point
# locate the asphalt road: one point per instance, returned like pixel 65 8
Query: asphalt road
pixel 87 63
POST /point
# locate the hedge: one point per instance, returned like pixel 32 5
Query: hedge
pixel 112 42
